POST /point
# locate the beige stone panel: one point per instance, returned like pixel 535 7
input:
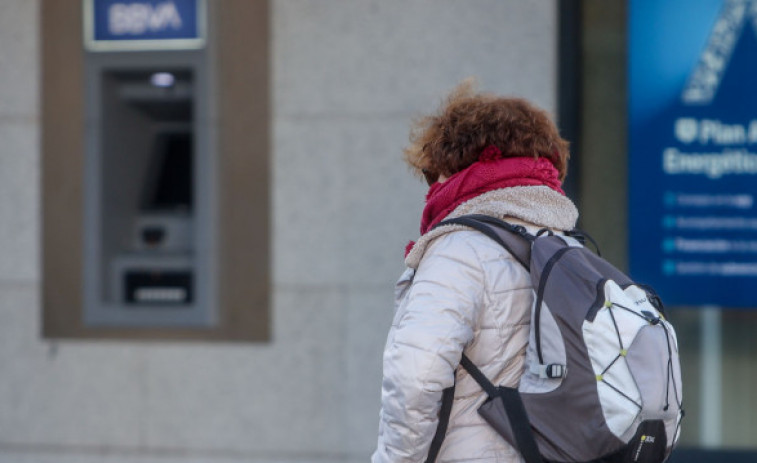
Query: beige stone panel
pixel 19 202
pixel 368 56
pixel 18 62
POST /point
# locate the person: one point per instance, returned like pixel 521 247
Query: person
pixel 462 292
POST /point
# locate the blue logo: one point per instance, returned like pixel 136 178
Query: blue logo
pixel 145 21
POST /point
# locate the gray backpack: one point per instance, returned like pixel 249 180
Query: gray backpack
pixel 602 380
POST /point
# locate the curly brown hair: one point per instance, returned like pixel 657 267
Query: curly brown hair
pixel 453 138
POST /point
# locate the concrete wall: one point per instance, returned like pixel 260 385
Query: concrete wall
pixel 348 77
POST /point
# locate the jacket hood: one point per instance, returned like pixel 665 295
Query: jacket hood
pixel 539 206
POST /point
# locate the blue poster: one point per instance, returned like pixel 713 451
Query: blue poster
pixel 144 24
pixel 693 150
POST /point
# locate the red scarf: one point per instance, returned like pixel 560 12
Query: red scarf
pixel 484 176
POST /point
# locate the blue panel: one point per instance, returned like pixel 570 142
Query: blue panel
pixel 131 20
pixel 693 150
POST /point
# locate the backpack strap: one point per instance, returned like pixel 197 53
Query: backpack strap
pixel 514 238
pixel 448 396
pixel 516 411
pixel 481 379
pixel 582 237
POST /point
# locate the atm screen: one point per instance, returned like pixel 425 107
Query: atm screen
pixel 168 185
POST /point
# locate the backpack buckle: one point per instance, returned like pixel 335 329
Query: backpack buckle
pixel 551 371
pixel 650 317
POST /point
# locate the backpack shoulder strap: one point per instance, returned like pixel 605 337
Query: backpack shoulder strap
pixel 448 397
pixel 514 238
pixel 514 409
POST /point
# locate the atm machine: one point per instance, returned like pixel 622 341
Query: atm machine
pixel 148 218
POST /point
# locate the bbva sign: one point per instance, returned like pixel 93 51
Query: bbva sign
pixel 139 18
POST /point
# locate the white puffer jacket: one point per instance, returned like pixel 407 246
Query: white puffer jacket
pixel 461 292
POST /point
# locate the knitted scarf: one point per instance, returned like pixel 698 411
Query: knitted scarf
pixel 481 177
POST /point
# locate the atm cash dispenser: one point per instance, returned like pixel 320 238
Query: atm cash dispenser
pixel 148 226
